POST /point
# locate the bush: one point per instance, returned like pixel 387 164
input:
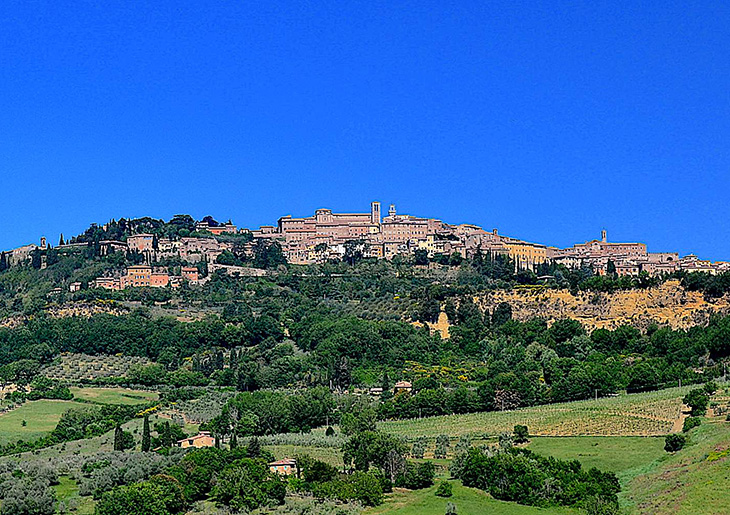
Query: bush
pixel 444 489
pixel 697 400
pixel 416 477
pixel 674 443
pixel 521 434
pixel 691 422
pixel 520 475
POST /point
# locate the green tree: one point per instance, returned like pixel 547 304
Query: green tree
pixel 444 489
pixel 146 438
pixel 697 400
pixel 674 442
pixel 502 314
pixel 118 439
pixel 521 434
pixel 161 495
pixel 421 257
pixel 247 485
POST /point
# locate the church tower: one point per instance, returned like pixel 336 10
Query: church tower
pixel 604 236
pixel 391 210
pixel 375 212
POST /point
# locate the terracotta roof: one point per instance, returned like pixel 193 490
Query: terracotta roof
pixel 202 434
pixel 285 461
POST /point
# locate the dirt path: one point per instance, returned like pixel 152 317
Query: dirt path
pixel 679 423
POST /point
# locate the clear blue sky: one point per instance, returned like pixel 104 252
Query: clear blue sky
pixel 547 120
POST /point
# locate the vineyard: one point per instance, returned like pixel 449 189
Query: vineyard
pixel 75 367
pixel 644 414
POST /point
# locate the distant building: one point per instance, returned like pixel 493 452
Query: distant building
pixel 402 386
pixel 108 283
pixel 285 467
pixel 190 273
pixel 202 439
pixel 216 229
pixel 74 287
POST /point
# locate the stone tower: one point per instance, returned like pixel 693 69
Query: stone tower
pixel 604 236
pixel 391 210
pixel 375 212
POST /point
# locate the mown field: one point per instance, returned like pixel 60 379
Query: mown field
pixel 40 419
pixel 114 395
pixel 609 453
pixel 643 414
pixel 468 501
pixel 695 480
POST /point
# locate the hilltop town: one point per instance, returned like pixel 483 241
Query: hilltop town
pixel 331 335
pixel 327 236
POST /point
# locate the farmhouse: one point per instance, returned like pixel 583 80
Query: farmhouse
pixel 284 467
pixel 402 386
pixel 202 439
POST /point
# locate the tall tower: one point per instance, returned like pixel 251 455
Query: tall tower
pixel 391 210
pixel 604 237
pixel 375 212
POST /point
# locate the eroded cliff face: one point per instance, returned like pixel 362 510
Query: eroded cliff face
pixel 668 304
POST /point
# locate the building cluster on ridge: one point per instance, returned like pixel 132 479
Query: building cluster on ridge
pixel 323 236
pixel 326 235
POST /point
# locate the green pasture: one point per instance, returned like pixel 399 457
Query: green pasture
pixel 40 419
pixel 114 395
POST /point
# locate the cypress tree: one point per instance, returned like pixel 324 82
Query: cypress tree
pixel 385 385
pixel 254 448
pixel 118 439
pixel 61 242
pixel 234 441
pixel 166 435
pixel 3 261
pixel 146 439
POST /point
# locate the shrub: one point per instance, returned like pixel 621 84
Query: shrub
pixel 521 434
pixel 674 443
pixel 444 489
pixel 416 476
pixel 697 400
pixel 691 422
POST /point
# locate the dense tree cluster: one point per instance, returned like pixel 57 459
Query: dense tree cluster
pixel 522 476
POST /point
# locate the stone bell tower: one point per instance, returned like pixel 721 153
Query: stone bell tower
pixel 375 212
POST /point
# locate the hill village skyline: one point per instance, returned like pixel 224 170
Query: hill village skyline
pixel 325 234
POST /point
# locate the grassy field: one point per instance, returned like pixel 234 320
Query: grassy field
pixel 468 501
pixel 644 414
pixel 693 480
pixel 67 491
pixel 617 454
pixel 114 395
pixel 40 417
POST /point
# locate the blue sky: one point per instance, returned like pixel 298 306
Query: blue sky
pixel 547 120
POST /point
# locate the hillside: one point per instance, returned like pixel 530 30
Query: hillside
pixel 667 304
